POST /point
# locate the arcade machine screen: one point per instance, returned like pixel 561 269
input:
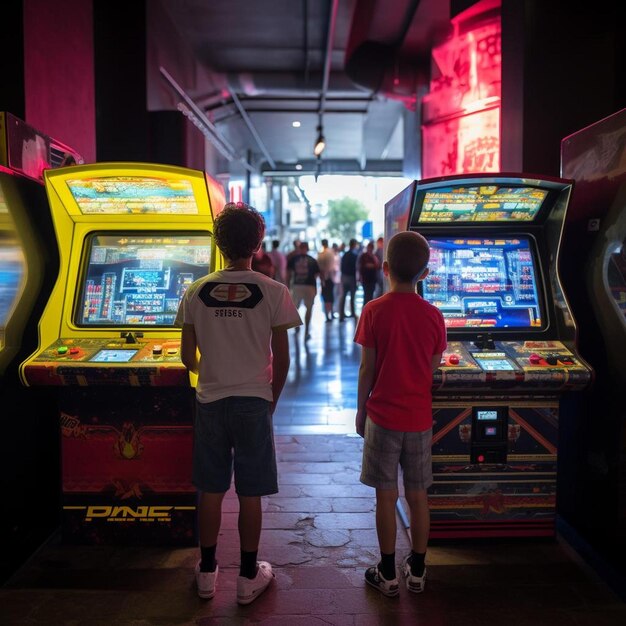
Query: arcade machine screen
pixel 138 280
pixel 616 277
pixel 12 274
pixel 484 283
pixel 482 203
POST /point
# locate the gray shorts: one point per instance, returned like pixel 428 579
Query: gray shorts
pixel 303 294
pixel 384 450
pixel 234 433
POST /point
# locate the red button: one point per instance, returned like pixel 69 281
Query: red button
pixel 481 458
pixel 534 359
pixel 454 359
pixel 74 350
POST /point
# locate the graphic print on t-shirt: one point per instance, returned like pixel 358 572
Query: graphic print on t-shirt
pixel 239 295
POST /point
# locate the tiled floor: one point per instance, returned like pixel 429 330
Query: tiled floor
pixel 320 535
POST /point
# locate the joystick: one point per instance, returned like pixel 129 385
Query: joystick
pixel 485 342
pixel 131 337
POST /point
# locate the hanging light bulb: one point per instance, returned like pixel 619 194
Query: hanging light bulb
pixel 320 142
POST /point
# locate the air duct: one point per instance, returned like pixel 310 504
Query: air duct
pixel 374 56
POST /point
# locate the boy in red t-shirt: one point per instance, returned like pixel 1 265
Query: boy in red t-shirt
pixel 402 338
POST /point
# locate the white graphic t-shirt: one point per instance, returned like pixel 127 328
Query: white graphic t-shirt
pixel 233 314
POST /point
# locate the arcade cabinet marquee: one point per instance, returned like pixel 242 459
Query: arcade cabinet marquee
pixel 511 352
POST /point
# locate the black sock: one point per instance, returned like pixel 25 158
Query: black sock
pixel 208 562
pixel 248 564
pixel 417 563
pixel 387 565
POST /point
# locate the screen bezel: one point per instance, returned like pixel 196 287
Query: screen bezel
pixel 84 265
pixel 509 333
pixel 418 204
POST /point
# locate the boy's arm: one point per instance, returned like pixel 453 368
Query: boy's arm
pixel 367 375
pixel 189 348
pixel 435 362
pixel 280 363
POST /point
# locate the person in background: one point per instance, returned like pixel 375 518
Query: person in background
pixel 402 338
pixel 336 278
pixel 240 351
pixel 348 279
pixel 262 262
pixel 380 278
pixel 368 272
pixel 302 274
pixel 326 263
pixel 280 262
pixel 295 251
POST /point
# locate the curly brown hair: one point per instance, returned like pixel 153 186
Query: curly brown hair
pixel 238 230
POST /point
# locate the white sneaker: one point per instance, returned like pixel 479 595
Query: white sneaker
pixel 248 589
pixel 374 578
pixel 415 584
pixel 206 582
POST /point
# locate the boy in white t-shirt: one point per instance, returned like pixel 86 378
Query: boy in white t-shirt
pixel 234 336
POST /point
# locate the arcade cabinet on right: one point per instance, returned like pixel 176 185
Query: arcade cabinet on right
pixel 511 357
pixel 593 269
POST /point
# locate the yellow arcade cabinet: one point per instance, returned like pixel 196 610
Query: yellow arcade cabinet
pixel 132 237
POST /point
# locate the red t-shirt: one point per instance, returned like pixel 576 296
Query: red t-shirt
pixel 406 331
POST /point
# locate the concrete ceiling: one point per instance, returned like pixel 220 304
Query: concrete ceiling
pixel 272 55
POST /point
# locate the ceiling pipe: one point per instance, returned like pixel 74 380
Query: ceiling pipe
pixel 320 142
pixel 252 129
pixel 191 110
pixel 332 22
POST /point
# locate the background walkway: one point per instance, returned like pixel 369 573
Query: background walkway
pixel 320 536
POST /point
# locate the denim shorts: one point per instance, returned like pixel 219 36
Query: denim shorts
pixel 384 450
pixel 234 433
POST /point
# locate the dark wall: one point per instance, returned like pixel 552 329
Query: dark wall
pixel 167 143
pixel 122 120
pixel 58 71
pixel 561 65
pixel 12 96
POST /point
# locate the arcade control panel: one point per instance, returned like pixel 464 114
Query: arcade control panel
pixel 129 360
pixel 510 364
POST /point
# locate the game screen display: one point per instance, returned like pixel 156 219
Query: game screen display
pixel 12 276
pixel 106 195
pixel 481 203
pixel 113 356
pixel 484 283
pixel 616 277
pixel 139 280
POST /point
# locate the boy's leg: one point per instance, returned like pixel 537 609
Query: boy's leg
pixel 211 475
pixel 381 450
pixel 420 519
pixel 416 463
pixel 209 517
pixel 414 566
pixel 255 476
pixel 250 522
pixel 386 527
